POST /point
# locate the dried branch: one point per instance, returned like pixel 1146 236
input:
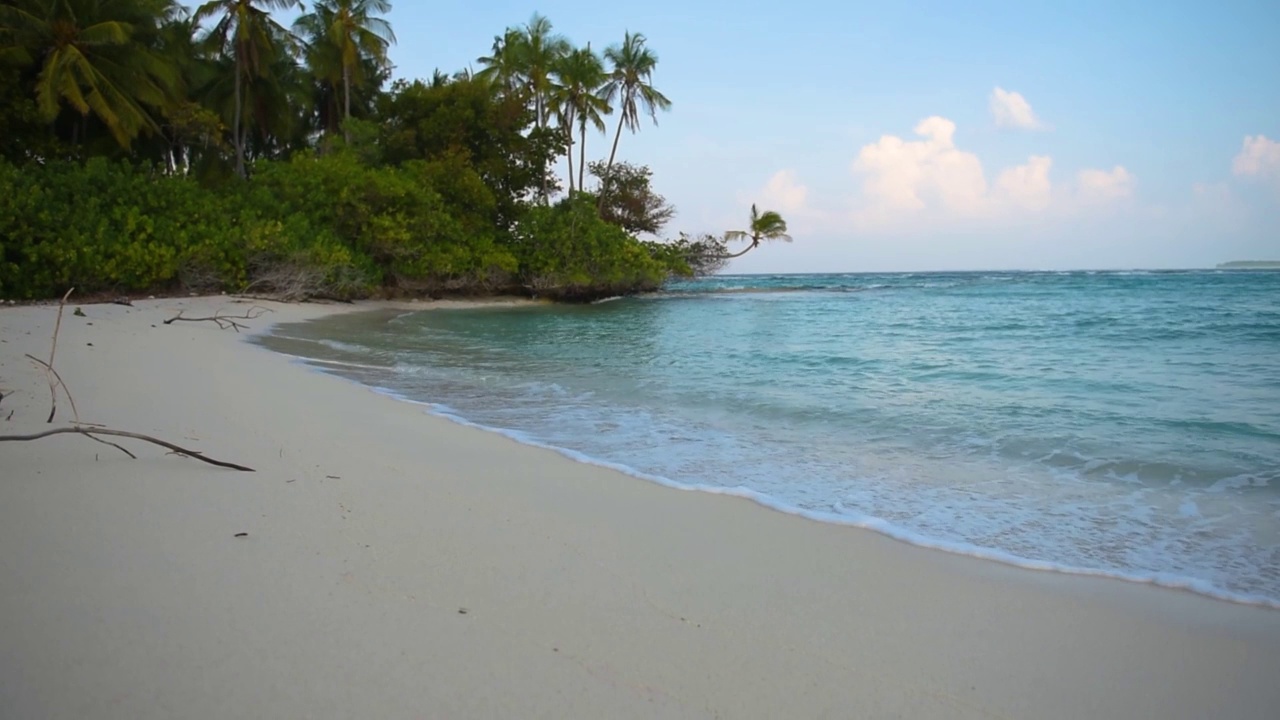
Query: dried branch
pixel 49 369
pixel 108 442
pixel 91 432
pixel 49 373
pixel 224 321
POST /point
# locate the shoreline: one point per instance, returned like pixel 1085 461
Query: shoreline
pixel 586 592
pixel 885 528
pixel 879 526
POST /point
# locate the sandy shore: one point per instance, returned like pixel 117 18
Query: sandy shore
pixel 401 566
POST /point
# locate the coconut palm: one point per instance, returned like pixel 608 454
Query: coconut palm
pixel 349 30
pixel 504 67
pixel 95 57
pixel 540 50
pixel 578 77
pixel 630 84
pixel 245 30
pixel 768 225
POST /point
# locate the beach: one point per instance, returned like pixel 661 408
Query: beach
pixel 399 565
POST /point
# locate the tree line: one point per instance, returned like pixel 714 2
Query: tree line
pixel 148 146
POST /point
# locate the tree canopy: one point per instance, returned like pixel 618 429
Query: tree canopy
pixel 148 147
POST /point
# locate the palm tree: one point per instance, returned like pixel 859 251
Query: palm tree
pixel 247 31
pixel 504 68
pixel 541 50
pixel 766 226
pixel 579 75
pixel 94 56
pixel 348 28
pixel 630 83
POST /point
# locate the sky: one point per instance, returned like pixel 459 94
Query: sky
pixel 939 135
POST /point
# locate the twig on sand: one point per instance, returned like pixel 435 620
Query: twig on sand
pixel 49 369
pixel 223 321
pixel 91 432
pixel 52 374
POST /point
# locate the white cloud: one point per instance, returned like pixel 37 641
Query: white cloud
pixel 1010 109
pixel 912 175
pixel 1113 184
pixel 1028 186
pixel 783 193
pixel 909 182
pixel 1258 156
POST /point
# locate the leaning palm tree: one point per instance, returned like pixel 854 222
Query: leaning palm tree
pixel 349 29
pixel 578 77
pixel 94 56
pixel 768 225
pixel 246 30
pixel 630 83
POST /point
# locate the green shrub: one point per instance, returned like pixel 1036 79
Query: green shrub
pixel 327 226
pixel 567 252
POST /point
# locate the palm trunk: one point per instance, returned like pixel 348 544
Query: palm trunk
pixel 346 101
pixel 748 249
pixel 616 137
pixel 538 123
pixel 235 123
pixel 568 150
pixel 622 116
pixel 568 155
pixel 582 154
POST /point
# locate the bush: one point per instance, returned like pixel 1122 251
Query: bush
pixel 567 252
pixel 100 227
pixel 326 226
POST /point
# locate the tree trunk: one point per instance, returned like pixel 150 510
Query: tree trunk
pixel 582 154
pixel 755 243
pixel 568 154
pixel 346 101
pixel 622 115
pixel 539 124
pixel 616 137
pixel 235 123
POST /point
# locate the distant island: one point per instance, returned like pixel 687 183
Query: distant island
pixel 1250 265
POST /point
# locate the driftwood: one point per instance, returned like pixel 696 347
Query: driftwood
pixel 58 378
pixel 82 428
pixel 91 432
pixel 223 321
pixel 52 374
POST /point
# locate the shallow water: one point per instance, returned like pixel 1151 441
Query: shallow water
pixel 1122 423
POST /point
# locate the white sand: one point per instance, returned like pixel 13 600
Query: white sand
pixel 588 594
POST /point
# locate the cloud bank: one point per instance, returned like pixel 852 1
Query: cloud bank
pixel 905 182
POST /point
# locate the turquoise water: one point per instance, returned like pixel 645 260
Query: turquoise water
pixel 1120 423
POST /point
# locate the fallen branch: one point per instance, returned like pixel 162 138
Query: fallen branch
pixel 223 321
pixel 49 369
pixel 108 442
pixel 91 432
pixel 49 372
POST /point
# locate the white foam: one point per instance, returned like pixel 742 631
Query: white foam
pixel 852 519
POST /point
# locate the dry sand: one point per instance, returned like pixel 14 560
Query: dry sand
pixel 401 566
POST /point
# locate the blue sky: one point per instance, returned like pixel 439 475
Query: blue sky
pixel 1117 139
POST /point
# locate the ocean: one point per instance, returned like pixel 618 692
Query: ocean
pixel 1114 423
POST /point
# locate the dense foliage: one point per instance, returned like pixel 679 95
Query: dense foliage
pixel 150 147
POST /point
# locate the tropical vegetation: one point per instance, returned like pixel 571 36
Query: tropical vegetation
pixel 148 146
